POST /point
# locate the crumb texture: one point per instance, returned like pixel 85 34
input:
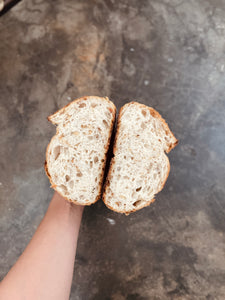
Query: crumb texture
pixel 76 155
pixel 140 166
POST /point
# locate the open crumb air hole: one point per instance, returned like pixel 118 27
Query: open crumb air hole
pixel 63 188
pixel 138 203
pixel 56 152
pixel 143 112
pixel 82 105
pixel 105 123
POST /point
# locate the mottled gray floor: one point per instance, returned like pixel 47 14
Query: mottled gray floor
pixel 169 54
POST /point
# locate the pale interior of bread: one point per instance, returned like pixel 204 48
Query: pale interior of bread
pixel 140 166
pixel 76 155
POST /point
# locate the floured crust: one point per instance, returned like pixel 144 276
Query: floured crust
pixel 156 115
pixel 53 120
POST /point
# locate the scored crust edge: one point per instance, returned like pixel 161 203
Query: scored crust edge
pixel 100 187
pixel 157 115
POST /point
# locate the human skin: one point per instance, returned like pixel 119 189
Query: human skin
pixel 44 271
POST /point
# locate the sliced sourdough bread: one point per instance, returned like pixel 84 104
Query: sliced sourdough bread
pixel 140 166
pixel 76 155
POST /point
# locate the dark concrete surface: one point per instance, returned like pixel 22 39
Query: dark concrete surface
pixel 169 54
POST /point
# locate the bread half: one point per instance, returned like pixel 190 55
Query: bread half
pixel 76 155
pixel 140 166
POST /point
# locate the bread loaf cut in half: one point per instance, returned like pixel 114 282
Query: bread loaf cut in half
pixel 140 166
pixel 76 155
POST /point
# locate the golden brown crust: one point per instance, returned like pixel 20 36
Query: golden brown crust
pixel 155 114
pixel 167 175
pixel 107 147
pixel 130 211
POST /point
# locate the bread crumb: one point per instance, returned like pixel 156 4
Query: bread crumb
pixel 111 221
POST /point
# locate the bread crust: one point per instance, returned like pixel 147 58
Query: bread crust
pixel 155 114
pixel 62 110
